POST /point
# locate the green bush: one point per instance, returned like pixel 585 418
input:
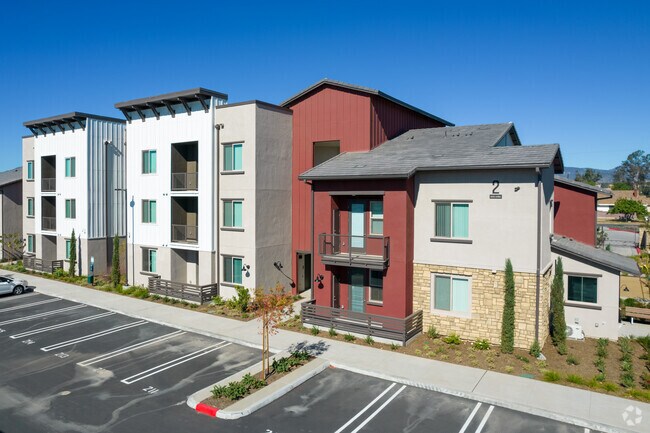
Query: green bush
pixel 218 301
pixel 59 273
pixel 535 350
pixel 369 340
pixel 301 355
pixel 626 366
pixel 482 344
pixel 627 379
pixel 631 302
pixel 601 347
pixel 238 389
pixel 572 360
pixel 600 364
pixel 432 332
pixel 452 338
pixel 551 376
pixel 609 386
pixel 332 332
pixel 600 377
pixel 508 320
pixel 522 359
pixel 349 337
pixel 558 321
pixel 314 330
pixel 394 346
pixel 241 301
pixel 575 379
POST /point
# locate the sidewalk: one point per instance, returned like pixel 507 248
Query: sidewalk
pixel 589 409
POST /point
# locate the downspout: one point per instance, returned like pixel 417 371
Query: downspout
pixel 313 257
pixel 126 216
pixel 216 136
pixel 539 249
pixel 106 142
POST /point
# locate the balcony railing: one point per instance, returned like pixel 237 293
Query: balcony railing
pixel 40 265
pixel 48 184
pixel 183 233
pixel 48 223
pixel 372 252
pixel 190 292
pixel 375 325
pixel 185 182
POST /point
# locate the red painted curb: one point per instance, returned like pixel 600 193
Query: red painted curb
pixel 207 410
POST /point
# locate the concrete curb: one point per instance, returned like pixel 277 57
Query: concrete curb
pixel 262 397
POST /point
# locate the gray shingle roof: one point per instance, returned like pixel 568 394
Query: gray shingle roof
pixel 602 193
pixel 368 90
pixel 460 147
pixel 578 250
pixel 11 176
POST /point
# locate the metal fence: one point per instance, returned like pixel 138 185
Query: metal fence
pixel 48 223
pixel 40 265
pixel 48 184
pixel 183 233
pixel 189 292
pixel 184 181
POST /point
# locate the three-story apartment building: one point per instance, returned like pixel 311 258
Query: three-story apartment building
pixel 73 181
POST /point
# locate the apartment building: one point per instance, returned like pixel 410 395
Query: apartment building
pixel 209 185
pixel 73 180
pixel 11 221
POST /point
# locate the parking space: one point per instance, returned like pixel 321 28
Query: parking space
pixel 73 367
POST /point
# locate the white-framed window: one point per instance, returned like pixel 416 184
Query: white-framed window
pixel 582 289
pixel 71 167
pixel 232 157
pixel 451 294
pixel 71 208
pixel 376 287
pixel 30 207
pixel 31 244
pixel 376 217
pixel 452 220
pixel 232 213
pixel 232 269
pixel 30 170
pixel 148 211
pixel 149 161
pixel 149 256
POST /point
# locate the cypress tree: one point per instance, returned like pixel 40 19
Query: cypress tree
pixel 115 271
pixel 73 254
pixel 558 322
pixel 508 322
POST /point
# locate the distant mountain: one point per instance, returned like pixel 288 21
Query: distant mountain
pixel 570 173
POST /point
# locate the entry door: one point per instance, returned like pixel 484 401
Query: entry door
pixel 304 272
pixel 336 231
pixel 357 227
pixel 356 290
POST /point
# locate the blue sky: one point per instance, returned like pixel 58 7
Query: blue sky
pixel 572 72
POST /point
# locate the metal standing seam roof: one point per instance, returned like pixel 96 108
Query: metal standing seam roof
pixel 460 147
pixel 578 250
pixel 368 90
pixel 55 124
pixel 585 186
pixel 11 176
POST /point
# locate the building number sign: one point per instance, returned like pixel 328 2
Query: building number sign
pixel 495 191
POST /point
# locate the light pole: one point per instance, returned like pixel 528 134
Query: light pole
pixel 132 204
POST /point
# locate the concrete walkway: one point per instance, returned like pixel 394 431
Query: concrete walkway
pixel 589 409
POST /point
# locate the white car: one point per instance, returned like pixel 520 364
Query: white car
pixel 12 285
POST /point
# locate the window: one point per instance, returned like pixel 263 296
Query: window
pixel 30 170
pixel 148 211
pixel 582 289
pixel 324 150
pixel 376 287
pixel 376 217
pixel 70 167
pixel 67 249
pixel 31 246
pixel 232 269
pixel 148 161
pixel 71 208
pixel 149 256
pixel 232 213
pixel 232 157
pixel 30 207
pixel 451 294
pixel 452 220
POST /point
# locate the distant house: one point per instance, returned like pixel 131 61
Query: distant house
pixel 606 204
pixel 11 201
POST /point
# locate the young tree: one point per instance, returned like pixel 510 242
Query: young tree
pixel 73 254
pixel 635 170
pixel 629 208
pixel 508 323
pixel 13 245
pixel 558 322
pixel 270 307
pixel 590 176
pixel 115 271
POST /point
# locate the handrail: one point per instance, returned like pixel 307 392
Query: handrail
pixel 185 233
pixel 185 181
pixel 48 184
pixel 48 223
pixel 354 246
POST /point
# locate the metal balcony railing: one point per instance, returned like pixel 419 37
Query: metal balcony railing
pixel 371 252
pixel 185 182
pixel 183 233
pixel 48 223
pixel 48 184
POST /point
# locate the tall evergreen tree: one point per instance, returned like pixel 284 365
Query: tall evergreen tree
pixel 73 254
pixel 508 322
pixel 558 322
pixel 115 271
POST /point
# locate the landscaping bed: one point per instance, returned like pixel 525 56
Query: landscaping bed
pixel 622 369
pixel 226 395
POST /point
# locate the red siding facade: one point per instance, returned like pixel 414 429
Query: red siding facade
pixel 575 213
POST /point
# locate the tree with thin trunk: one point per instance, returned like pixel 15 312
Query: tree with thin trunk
pixel 508 322
pixel 558 321
pixel 270 307
pixel 115 271
pixel 73 254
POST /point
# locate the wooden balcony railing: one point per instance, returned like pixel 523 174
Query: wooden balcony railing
pixel 189 292
pixel 40 265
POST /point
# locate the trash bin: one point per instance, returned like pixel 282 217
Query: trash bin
pixel 91 280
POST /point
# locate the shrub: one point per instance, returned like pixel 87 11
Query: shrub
pixel 349 337
pixel 301 355
pixel 509 369
pixel 600 377
pixel 241 301
pixel 369 340
pixel 558 322
pixel 535 350
pixel 156 297
pixel 314 330
pixel 575 379
pixel 508 322
pixel 252 382
pixel 522 359
pixel 432 332
pixel 482 344
pixel 551 376
pixel 600 364
pixel 609 386
pixel 333 332
pixel 218 301
pixel 452 338
pixel 394 347
pixel 626 366
pixel 73 255
pixel 627 379
pixel 645 380
pixel 59 273
pixel 572 360
pixel 115 271
pixel 140 292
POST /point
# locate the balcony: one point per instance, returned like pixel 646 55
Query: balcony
pixel 184 166
pixel 48 184
pixel 185 182
pixel 186 234
pixel 185 221
pixel 48 223
pixel 48 173
pixel 375 325
pixel 371 252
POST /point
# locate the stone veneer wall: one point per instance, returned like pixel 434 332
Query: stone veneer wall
pixel 487 291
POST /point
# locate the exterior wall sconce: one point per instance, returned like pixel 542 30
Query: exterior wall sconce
pixel 319 278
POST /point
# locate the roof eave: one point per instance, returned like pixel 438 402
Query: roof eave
pixel 566 251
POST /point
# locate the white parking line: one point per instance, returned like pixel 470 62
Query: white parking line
pixel 471 416
pixel 173 363
pixel 19 307
pixel 484 420
pixel 361 412
pixel 379 409
pixel 36 316
pixel 93 336
pixel 61 325
pixel 118 352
